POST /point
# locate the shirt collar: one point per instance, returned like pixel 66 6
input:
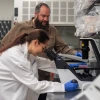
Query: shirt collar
pixel 25 51
pixel 32 22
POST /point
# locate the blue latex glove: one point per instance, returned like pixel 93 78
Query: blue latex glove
pixel 78 54
pixel 69 86
pixel 77 64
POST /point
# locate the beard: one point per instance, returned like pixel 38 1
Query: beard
pixel 38 25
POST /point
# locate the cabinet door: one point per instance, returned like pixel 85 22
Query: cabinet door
pixel 70 14
pixel 25 10
pixel 62 12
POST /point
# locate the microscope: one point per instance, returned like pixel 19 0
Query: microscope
pixel 66 73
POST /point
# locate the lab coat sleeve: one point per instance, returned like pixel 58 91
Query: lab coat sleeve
pixel 27 78
pixel 46 65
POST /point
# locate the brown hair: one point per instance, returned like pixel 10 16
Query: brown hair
pixel 39 34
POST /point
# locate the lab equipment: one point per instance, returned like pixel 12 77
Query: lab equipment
pixel 87 17
pixel 92 92
pixel 5 26
pixel 64 70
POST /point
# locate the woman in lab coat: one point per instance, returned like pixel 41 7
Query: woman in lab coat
pixel 19 66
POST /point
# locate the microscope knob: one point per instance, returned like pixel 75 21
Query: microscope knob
pixel 74 81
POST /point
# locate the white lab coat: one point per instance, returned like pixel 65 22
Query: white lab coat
pixel 19 72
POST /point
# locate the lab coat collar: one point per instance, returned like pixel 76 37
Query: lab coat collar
pixel 32 23
pixel 24 49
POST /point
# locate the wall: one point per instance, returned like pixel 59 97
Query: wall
pixel 6 9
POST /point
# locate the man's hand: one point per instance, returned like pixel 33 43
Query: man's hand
pixel 79 54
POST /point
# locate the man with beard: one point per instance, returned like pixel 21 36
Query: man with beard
pixel 41 21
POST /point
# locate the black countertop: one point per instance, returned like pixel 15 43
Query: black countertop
pixel 62 96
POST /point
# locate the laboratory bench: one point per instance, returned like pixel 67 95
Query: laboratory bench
pixel 62 96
